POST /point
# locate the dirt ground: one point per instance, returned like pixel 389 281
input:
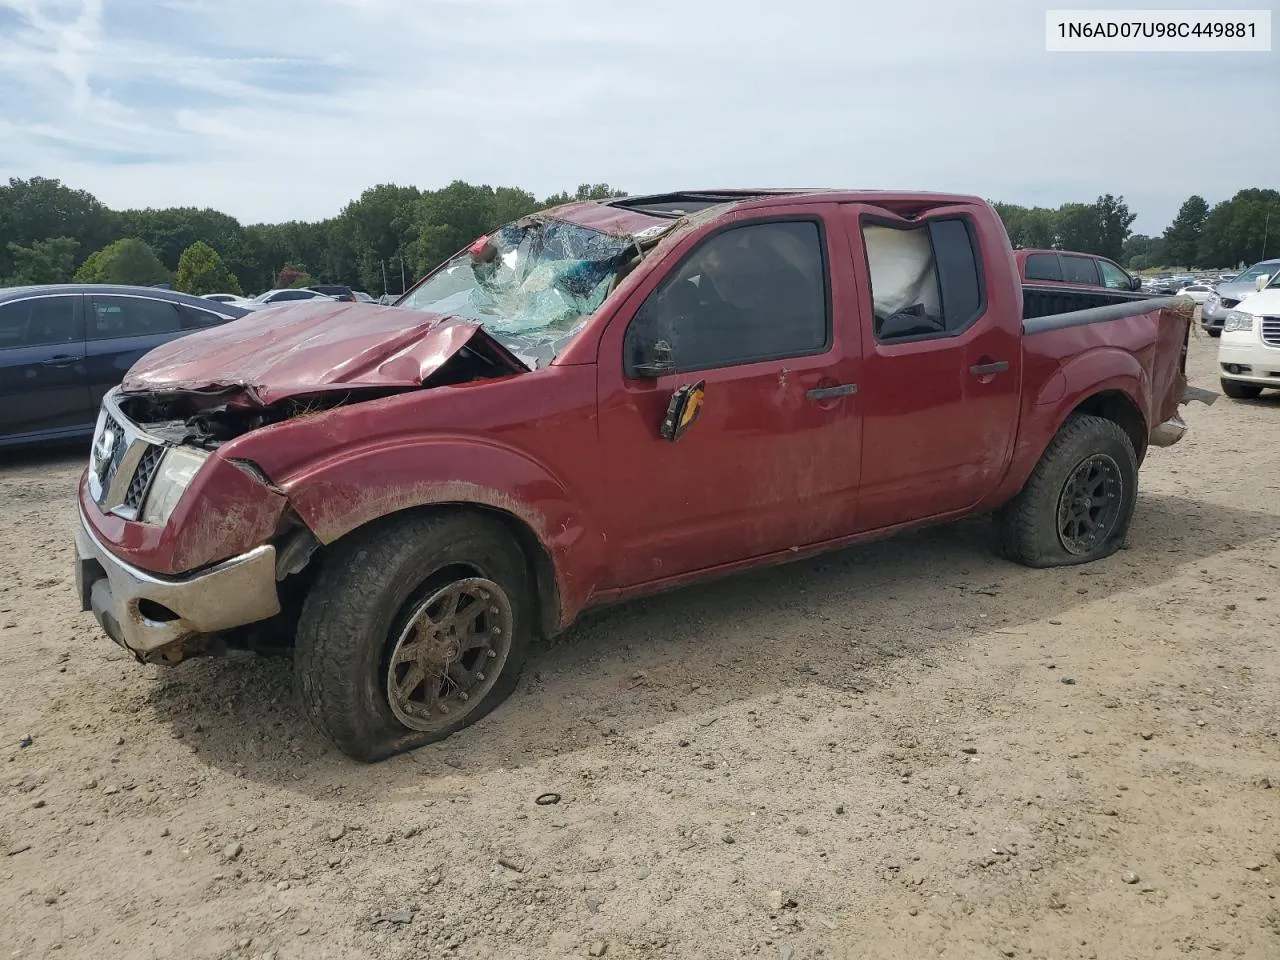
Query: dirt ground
pixel 903 750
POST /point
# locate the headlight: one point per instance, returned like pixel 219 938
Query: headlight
pixel 1213 303
pixel 172 478
pixel 1237 321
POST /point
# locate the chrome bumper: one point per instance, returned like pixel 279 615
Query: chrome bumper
pixel 154 616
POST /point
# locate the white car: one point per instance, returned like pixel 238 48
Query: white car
pixel 232 298
pixel 1199 292
pixel 275 297
pixel 1249 350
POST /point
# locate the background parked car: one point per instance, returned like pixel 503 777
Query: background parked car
pixel 335 290
pixel 1227 295
pixel 1079 269
pixel 63 347
pixel 273 297
pixel 1199 292
pixel 232 298
pixel 363 297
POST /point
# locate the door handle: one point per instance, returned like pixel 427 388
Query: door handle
pixel 985 369
pixel 826 393
pixel 61 361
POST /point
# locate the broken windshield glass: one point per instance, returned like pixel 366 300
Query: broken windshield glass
pixel 530 284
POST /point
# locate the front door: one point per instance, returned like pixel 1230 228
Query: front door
pixel 43 386
pixel 942 367
pixel 753 312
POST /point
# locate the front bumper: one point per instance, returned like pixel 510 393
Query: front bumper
pixel 157 618
pixel 1258 363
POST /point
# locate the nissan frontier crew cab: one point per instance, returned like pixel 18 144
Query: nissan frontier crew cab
pixel 606 399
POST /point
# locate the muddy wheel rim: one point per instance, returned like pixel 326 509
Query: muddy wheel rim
pixel 450 653
pixel 1090 503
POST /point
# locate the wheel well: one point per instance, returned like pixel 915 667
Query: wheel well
pixel 537 557
pixel 1119 408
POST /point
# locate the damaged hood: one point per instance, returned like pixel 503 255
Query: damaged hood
pixel 309 347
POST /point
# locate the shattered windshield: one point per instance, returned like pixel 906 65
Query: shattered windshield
pixel 530 284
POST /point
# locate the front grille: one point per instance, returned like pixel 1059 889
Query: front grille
pixel 109 448
pixel 1271 331
pixel 142 477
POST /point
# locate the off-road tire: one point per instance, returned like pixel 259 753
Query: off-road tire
pixel 1028 526
pixel 1240 391
pixel 359 603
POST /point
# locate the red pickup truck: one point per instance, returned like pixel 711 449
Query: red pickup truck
pixel 602 400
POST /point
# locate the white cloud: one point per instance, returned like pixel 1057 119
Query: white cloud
pixel 272 109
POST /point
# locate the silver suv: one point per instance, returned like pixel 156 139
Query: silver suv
pixel 1226 295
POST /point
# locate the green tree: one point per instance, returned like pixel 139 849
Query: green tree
pixel 43 261
pixel 1243 229
pixel 1182 237
pixel 1139 246
pixel 1028 228
pixel 43 209
pixel 124 261
pixel 1099 227
pixel 585 191
pixel 201 271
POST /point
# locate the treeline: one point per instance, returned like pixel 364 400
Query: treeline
pixel 1244 229
pixel 51 233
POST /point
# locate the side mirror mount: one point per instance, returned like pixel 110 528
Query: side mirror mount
pixel 683 410
pixel 1260 282
pixel 659 363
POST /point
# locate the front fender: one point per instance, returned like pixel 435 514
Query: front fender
pixel 365 483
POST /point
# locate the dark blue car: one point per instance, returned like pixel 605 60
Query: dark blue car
pixel 63 347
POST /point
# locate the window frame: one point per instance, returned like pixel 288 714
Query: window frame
pixel 77 320
pixel 91 313
pixel 971 231
pixel 628 367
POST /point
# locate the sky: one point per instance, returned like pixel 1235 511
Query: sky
pixel 277 109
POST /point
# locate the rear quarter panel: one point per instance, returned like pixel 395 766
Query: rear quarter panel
pixel 1142 357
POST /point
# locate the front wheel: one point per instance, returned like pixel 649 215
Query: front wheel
pixel 1213 332
pixel 1240 391
pixel 1077 504
pixel 416 627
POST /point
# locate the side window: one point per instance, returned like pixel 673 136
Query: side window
pixel 925 279
pixel 40 321
pixel 293 295
pixel 195 319
pixel 132 317
pixel 1043 266
pixel 1080 270
pixel 1112 276
pixel 752 292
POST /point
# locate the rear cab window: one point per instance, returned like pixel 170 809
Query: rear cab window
pixel 926 279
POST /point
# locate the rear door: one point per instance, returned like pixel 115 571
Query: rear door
pixel 941 365
pixel 43 384
pixel 752 308
pixel 121 329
